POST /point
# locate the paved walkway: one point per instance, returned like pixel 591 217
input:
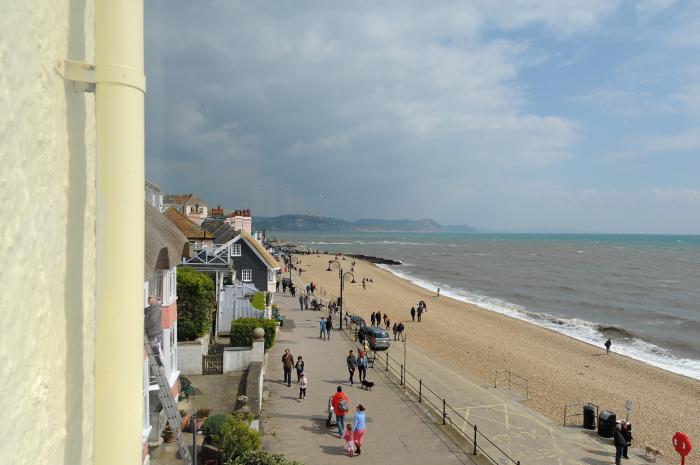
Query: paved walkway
pixel 520 432
pixel 397 430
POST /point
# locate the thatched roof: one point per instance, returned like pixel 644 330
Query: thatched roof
pixel 165 245
pixel 271 262
pixel 187 226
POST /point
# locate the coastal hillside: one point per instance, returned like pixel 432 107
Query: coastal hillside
pixel 323 223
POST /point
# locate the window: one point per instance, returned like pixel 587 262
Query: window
pixel 246 276
pixel 271 276
pixel 236 250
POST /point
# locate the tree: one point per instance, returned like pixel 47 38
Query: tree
pixel 258 301
pixel 195 293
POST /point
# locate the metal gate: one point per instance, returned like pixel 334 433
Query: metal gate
pixel 213 364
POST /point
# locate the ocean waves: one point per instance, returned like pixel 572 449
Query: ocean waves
pixel 626 341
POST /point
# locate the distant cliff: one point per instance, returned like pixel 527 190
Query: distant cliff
pixel 323 223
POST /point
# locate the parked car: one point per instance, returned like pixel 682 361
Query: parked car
pixel 377 338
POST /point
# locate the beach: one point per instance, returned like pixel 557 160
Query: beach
pixel 560 370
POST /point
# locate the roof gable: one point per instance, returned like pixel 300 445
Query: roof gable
pixel 259 250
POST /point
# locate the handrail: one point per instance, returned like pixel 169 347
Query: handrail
pixel 519 381
pixel 441 407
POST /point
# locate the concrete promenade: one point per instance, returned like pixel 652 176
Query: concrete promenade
pixel 521 433
pixel 397 430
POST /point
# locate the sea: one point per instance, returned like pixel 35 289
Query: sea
pixel 642 291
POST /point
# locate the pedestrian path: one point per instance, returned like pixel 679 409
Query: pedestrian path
pixel 521 433
pixel 398 431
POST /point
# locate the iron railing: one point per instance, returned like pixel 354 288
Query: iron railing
pixel 510 378
pixel 439 406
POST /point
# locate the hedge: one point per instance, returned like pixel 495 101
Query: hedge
pixel 232 434
pixel 263 457
pixel 242 331
pixel 195 294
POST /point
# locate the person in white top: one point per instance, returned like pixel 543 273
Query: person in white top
pixel 303 381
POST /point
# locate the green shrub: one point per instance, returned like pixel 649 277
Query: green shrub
pixel 263 457
pixel 195 294
pixel 242 331
pixel 258 301
pixel 214 425
pixel 238 438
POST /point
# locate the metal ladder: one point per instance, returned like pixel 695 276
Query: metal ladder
pixel 168 403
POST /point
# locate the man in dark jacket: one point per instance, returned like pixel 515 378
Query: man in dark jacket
pixel 287 365
pixel 153 326
pixel 627 433
pixel 413 313
pixel 352 365
pixel 620 443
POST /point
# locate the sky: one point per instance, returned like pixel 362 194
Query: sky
pixel 509 115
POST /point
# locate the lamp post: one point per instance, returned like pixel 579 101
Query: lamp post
pixel 341 277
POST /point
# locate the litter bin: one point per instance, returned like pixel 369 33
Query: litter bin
pixel 606 424
pixel 588 417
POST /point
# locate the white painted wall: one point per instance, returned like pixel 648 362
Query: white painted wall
pixel 47 305
pixel 189 355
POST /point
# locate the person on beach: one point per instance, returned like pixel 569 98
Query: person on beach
pixel 438 292
pixel 420 313
pixel 329 327
pixel 301 303
pixel 299 367
pixel 287 365
pixel 413 313
pixel 395 330
pixel 362 364
pixel 341 405
pixel 351 362
pixel 322 327
pixel 388 323
pixel 303 382
pixel 349 441
pixel 399 329
pixel 608 343
pixel 371 317
pixel 359 427
pixel 364 286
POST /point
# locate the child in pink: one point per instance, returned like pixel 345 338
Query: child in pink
pixel 349 442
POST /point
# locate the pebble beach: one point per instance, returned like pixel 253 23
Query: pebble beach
pixel 560 370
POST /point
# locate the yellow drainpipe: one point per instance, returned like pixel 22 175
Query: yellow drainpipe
pixel 120 87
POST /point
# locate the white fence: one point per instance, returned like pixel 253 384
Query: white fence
pixel 234 303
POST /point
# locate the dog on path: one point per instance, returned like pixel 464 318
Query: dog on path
pixel 368 385
pixel 648 450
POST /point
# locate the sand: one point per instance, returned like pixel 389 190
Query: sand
pixel 560 369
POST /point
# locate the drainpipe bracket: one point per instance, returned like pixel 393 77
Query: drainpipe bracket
pixel 86 76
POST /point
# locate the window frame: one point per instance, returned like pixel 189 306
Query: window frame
pixel 236 250
pixel 249 272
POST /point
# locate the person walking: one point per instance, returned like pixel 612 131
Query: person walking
pixel 341 406
pixel 349 441
pixel 359 428
pixel 292 290
pixel 301 303
pixel 362 364
pixel 399 329
pixel 371 318
pixel 438 292
pixel 351 362
pixel 306 301
pixel 420 313
pixel 322 327
pixel 299 367
pixel 388 323
pixel 608 343
pixel 413 313
pixel 303 382
pixel 277 287
pixel 620 443
pixel 329 327
pixel 395 330
pixel 287 364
